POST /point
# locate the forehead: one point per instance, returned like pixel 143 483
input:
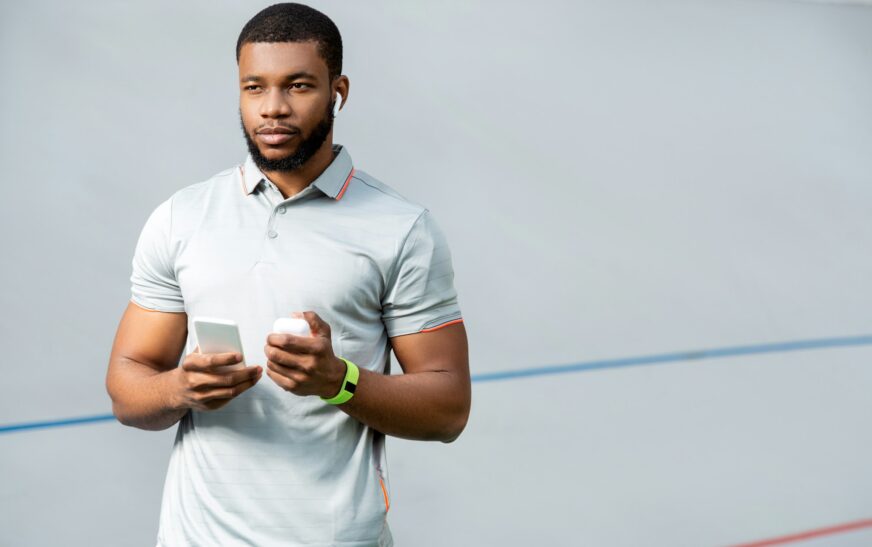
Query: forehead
pixel 279 58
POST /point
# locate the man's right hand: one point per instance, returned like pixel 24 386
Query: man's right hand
pixel 149 389
pixel 200 386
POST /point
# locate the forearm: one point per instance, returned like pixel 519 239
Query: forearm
pixel 420 406
pixel 141 396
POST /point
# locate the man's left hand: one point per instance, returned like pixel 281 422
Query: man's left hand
pixel 305 365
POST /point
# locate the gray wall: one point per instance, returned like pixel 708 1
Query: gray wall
pixel 616 179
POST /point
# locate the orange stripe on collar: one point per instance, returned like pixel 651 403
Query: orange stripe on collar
pixel 345 186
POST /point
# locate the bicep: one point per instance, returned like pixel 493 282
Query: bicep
pixel 153 338
pixel 442 350
pixel 441 354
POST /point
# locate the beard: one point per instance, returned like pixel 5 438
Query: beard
pixel 305 150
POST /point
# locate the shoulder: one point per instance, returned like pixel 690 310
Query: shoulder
pixel 186 205
pixel 373 198
pixel 200 193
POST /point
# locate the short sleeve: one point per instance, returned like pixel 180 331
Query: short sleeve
pixel 153 282
pixel 420 294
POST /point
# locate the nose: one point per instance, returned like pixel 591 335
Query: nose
pixel 275 105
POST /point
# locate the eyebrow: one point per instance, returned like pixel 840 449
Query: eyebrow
pixel 295 76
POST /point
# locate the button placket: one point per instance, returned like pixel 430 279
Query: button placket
pixel 278 209
pixel 271 232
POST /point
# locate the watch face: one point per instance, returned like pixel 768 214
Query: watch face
pixel 349 387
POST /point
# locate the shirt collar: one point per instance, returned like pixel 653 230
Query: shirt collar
pixel 333 181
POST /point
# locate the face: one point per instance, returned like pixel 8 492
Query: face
pixel 285 103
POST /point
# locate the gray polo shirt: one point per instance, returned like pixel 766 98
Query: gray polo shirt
pixel 271 467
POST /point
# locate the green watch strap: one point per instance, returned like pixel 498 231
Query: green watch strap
pixel 349 384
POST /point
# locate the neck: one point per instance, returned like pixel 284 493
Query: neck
pixel 292 182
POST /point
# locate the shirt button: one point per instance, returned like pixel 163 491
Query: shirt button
pixel 273 234
pixel 281 210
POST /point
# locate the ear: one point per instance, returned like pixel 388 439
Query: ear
pixel 340 87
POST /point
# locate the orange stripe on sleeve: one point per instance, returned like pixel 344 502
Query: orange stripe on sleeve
pixel 437 327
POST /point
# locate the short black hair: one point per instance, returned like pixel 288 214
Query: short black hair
pixel 290 22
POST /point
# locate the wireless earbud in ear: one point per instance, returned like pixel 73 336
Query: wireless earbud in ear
pixel 336 104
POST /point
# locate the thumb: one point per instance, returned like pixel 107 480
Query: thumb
pixel 316 324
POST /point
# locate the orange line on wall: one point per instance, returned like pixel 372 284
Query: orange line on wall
pixel 829 530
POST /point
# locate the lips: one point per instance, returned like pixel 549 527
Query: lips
pixel 275 135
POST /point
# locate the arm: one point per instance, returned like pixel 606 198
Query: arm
pixel 148 388
pixel 147 348
pixel 430 401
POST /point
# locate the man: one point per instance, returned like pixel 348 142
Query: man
pixel 295 228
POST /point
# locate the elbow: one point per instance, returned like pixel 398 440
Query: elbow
pixel 456 427
pixel 111 390
pixel 119 414
pixel 117 406
pixel 139 422
pixel 131 419
pixel 451 438
pixel 460 415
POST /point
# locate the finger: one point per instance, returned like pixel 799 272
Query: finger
pixel 296 373
pixel 290 343
pixel 317 325
pixel 204 361
pixel 201 381
pixel 245 375
pixel 282 381
pixel 279 356
pixel 227 392
pixel 207 362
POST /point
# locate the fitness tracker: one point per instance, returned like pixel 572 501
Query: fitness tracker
pixel 349 384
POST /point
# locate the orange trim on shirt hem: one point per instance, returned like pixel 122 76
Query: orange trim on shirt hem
pixel 385 492
pixel 345 186
pixel 431 329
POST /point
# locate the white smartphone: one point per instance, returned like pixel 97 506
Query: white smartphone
pixel 216 335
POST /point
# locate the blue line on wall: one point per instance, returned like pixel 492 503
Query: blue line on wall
pixel 562 369
pixel 55 423
pixel 677 356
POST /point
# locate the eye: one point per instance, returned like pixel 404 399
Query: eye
pixel 251 87
pixel 300 85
